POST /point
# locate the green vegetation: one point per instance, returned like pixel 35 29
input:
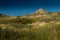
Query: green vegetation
pixel 48 32
pixel 24 20
pixel 18 20
pixel 22 28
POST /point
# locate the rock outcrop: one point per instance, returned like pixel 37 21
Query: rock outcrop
pixel 38 13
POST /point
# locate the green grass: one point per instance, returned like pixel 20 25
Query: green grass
pixel 48 32
pixel 15 30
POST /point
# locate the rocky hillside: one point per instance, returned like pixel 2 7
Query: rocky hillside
pixel 40 13
pixel 37 13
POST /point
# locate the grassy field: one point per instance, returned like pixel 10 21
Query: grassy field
pixel 23 28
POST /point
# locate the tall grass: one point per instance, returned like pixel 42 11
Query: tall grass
pixel 16 31
pixel 48 32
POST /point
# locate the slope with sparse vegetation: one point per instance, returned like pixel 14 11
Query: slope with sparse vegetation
pixel 27 28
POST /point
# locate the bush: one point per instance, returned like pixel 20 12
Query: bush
pixel 24 20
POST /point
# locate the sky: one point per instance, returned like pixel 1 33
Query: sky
pixel 22 7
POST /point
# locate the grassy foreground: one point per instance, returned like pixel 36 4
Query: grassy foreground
pixel 48 32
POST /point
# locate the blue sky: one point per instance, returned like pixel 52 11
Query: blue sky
pixel 22 7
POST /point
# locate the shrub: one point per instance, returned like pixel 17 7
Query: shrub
pixel 24 20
